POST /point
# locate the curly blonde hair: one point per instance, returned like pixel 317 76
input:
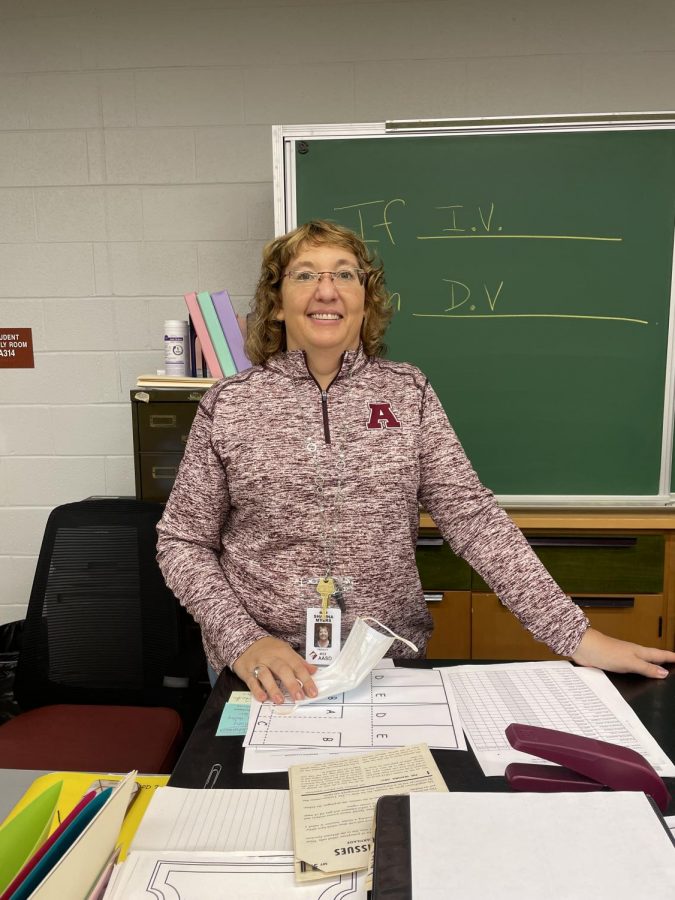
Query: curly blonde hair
pixel 267 336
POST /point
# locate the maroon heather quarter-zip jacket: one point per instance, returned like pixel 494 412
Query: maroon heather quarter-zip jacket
pixel 243 537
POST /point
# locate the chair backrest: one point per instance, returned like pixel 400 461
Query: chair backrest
pixel 101 625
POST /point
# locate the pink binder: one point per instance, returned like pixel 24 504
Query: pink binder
pixel 203 335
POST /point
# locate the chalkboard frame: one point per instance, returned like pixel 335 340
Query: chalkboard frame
pixel 287 138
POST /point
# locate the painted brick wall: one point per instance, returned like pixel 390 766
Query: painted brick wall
pixel 136 164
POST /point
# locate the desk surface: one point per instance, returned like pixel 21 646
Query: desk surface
pixel 13 785
pixel 213 761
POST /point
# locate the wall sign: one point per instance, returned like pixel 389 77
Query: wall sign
pixel 16 348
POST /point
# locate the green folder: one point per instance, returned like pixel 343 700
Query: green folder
pixel 25 832
pixel 62 845
pixel 216 333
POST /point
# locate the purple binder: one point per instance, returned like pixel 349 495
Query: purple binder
pixel 228 322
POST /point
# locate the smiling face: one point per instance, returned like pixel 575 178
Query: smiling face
pixel 323 633
pixel 322 317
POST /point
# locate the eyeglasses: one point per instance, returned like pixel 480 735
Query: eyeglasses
pixel 343 277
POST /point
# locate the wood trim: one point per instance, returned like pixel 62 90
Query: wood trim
pixel 575 519
pixel 669 591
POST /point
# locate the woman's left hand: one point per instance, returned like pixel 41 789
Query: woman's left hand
pixel 604 652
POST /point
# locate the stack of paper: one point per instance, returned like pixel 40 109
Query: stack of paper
pixel 393 707
pixel 211 844
pixel 174 381
pixel 605 846
pixel 549 694
pixel 214 875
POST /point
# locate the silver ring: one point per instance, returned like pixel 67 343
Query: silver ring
pixel 256 672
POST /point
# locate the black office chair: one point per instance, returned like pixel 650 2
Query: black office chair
pixel 103 671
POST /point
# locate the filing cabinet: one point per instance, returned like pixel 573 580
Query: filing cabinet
pixel 161 421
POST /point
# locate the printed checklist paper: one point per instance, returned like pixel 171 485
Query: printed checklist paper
pixel 394 707
pixel 549 694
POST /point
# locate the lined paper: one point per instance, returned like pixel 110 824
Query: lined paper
pixel 228 820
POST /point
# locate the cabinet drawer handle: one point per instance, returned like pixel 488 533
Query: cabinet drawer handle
pixel 429 541
pixel 433 598
pixel 159 472
pixel 162 421
pixel 564 540
pixel 605 602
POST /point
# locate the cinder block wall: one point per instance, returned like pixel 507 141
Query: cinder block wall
pixel 136 164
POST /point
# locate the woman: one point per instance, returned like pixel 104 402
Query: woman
pixel 302 479
pixel 322 638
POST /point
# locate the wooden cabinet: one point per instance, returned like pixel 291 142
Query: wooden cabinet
pixel 451 612
pixel 598 563
pixel 619 565
pixel 497 634
pixel 446 580
pixel 616 578
pixel 624 581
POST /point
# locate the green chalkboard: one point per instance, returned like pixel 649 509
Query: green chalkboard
pixel 531 274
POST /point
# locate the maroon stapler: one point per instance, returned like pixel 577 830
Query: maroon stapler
pixel 587 765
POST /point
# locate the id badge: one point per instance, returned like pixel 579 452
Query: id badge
pixel 322 643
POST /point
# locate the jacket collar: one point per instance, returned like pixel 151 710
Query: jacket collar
pixel 294 365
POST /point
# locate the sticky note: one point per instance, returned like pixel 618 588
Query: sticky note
pixel 234 719
pixel 240 697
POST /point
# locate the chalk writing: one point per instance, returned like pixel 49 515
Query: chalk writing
pixel 368 210
pixel 459 289
pixel 528 237
pixel 461 294
pixel 484 227
pixel 485 219
pixel 380 220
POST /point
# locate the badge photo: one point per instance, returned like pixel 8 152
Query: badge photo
pixel 322 645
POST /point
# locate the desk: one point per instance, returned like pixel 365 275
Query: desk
pixel 217 761
pixel 13 785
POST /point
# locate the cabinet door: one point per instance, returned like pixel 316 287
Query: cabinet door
pixel 638 617
pixel 497 634
pixel 439 568
pixel 451 612
pixel 598 563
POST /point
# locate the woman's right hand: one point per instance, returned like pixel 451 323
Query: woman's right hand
pixel 275 662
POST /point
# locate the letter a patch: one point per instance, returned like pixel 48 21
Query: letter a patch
pixel 382 416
